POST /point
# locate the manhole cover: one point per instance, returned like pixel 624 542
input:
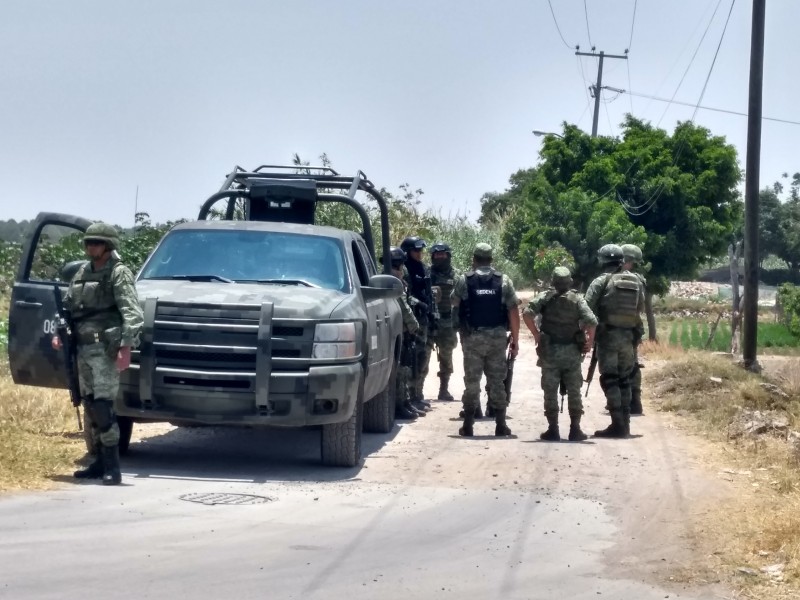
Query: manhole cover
pixel 213 499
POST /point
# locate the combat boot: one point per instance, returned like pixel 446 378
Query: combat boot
pixel 636 402
pixel 575 433
pixel 478 411
pixel 402 412
pixel 111 476
pixel 444 393
pixel 626 422
pixel 552 434
pixel 466 429
pixel 616 429
pixel 500 428
pixel 94 470
pixel 417 411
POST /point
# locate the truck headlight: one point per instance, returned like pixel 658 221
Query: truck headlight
pixel 336 340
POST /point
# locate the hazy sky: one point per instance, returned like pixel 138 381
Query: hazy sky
pixel 98 97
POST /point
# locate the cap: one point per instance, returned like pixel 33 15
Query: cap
pixel 482 250
pixel 561 273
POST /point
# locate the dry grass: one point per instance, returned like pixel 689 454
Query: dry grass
pixel 759 523
pixel 39 441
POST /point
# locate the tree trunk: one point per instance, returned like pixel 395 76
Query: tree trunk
pixel 652 334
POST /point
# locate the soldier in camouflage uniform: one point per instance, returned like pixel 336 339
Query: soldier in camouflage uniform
pixel 422 303
pixel 106 321
pixel 403 408
pixel 632 255
pixel 566 334
pixel 486 304
pixel 444 337
pixel 617 298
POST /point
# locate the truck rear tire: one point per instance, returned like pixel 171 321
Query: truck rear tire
pixel 379 412
pixel 341 442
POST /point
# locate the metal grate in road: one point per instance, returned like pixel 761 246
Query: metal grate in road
pixel 212 499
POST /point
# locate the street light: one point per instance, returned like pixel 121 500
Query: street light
pixel 541 133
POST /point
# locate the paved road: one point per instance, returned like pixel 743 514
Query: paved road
pixel 427 515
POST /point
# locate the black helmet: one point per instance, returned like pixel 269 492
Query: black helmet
pixel 397 256
pixel 441 247
pixel 412 242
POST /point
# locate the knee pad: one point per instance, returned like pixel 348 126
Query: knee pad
pixel 103 415
pixel 608 380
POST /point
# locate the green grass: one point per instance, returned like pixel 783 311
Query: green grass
pixel 691 333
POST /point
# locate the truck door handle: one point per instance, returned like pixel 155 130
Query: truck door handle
pixel 26 304
pixel 385 318
pixel 378 321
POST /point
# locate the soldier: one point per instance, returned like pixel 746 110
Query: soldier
pixel 616 297
pixel 487 308
pixel 106 320
pixel 421 302
pixel 632 256
pixel 403 408
pixel 443 277
pixel 566 334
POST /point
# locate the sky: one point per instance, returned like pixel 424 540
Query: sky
pixel 102 98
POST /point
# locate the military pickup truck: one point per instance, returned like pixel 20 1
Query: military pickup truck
pixel 254 315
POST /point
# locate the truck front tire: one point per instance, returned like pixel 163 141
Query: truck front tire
pixel 341 442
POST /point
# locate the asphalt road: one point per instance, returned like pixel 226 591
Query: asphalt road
pixel 224 513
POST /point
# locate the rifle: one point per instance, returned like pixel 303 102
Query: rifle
pixel 408 356
pixel 68 347
pixel 510 360
pixel 562 389
pixel 592 367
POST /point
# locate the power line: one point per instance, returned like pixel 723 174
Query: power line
pixel 630 96
pixel 630 43
pixel 552 12
pixel 633 21
pixel 588 33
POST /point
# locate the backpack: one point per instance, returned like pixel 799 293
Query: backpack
pixel 619 305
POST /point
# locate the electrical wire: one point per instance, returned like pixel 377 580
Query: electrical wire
pixel 588 33
pixel 608 115
pixel 630 96
pixel 552 12
pixel 691 61
pixel 633 21
pixel 583 76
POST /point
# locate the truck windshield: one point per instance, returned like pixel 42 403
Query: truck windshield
pixel 249 256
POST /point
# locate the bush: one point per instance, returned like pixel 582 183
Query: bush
pixel 788 300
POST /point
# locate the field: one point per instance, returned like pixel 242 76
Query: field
pixel 694 333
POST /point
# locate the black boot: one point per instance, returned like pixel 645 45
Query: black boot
pixel 636 402
pixel 616 429
pixel 402 412
pixel 444 393
pixel 500 428
pixel 478 412
pixel 94 470
pixel 111 476
pixel 490 411
pixel 466 429
pixel 551 435
pixel 575 433
pixel 417 411
pixel 626 422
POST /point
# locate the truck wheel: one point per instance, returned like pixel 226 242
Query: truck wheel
pixel 341 442
pixel 379 412
pixel 125 425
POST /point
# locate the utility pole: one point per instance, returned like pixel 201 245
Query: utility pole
pixel 751 200
pixel 599 86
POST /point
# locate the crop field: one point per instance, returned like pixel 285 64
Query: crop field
pixel 689 333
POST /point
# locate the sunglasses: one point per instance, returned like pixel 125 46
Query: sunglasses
pixel 93 243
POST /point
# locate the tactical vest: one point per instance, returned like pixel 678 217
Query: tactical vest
pixel 484 306
pixel 560 317
pixel 93 305
pixel 619 306
pixel 445 281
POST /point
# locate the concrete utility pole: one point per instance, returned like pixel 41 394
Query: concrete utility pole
pixel 599 86
pixel 751 200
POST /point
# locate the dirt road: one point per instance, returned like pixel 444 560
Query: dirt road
pixel 427 515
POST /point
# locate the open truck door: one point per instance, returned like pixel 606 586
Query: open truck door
pixel 50 257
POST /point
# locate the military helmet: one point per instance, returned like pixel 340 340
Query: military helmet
pixel 412 242
pixel 102 232
pixel 441 247
pixel 610 253
pixel 632 253
pixel 398 257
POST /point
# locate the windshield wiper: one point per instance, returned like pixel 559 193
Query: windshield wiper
pixel 280 281
pixel 195 278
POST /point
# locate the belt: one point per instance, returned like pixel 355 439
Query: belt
pixel 90 338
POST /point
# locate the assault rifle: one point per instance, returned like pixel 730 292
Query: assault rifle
pixel 510 360
pixel 68 347
pixel 562 389
pixel 592 367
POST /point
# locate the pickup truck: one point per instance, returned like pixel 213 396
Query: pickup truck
pixel 254 315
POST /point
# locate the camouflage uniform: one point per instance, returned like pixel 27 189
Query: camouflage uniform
pixel 404 376
pixel 445 336
pixel 484 348
pixel 421 302
pixel 106 315
pixel 636 377
pixel 615 346
pixel 561 350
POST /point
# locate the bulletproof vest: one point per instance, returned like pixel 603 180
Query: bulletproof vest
pixel 484 306
pixel 93 304
pixel 620 302
pixel 445 281
pixel 560 316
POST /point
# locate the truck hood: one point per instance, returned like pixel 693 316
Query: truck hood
pixel 289 300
